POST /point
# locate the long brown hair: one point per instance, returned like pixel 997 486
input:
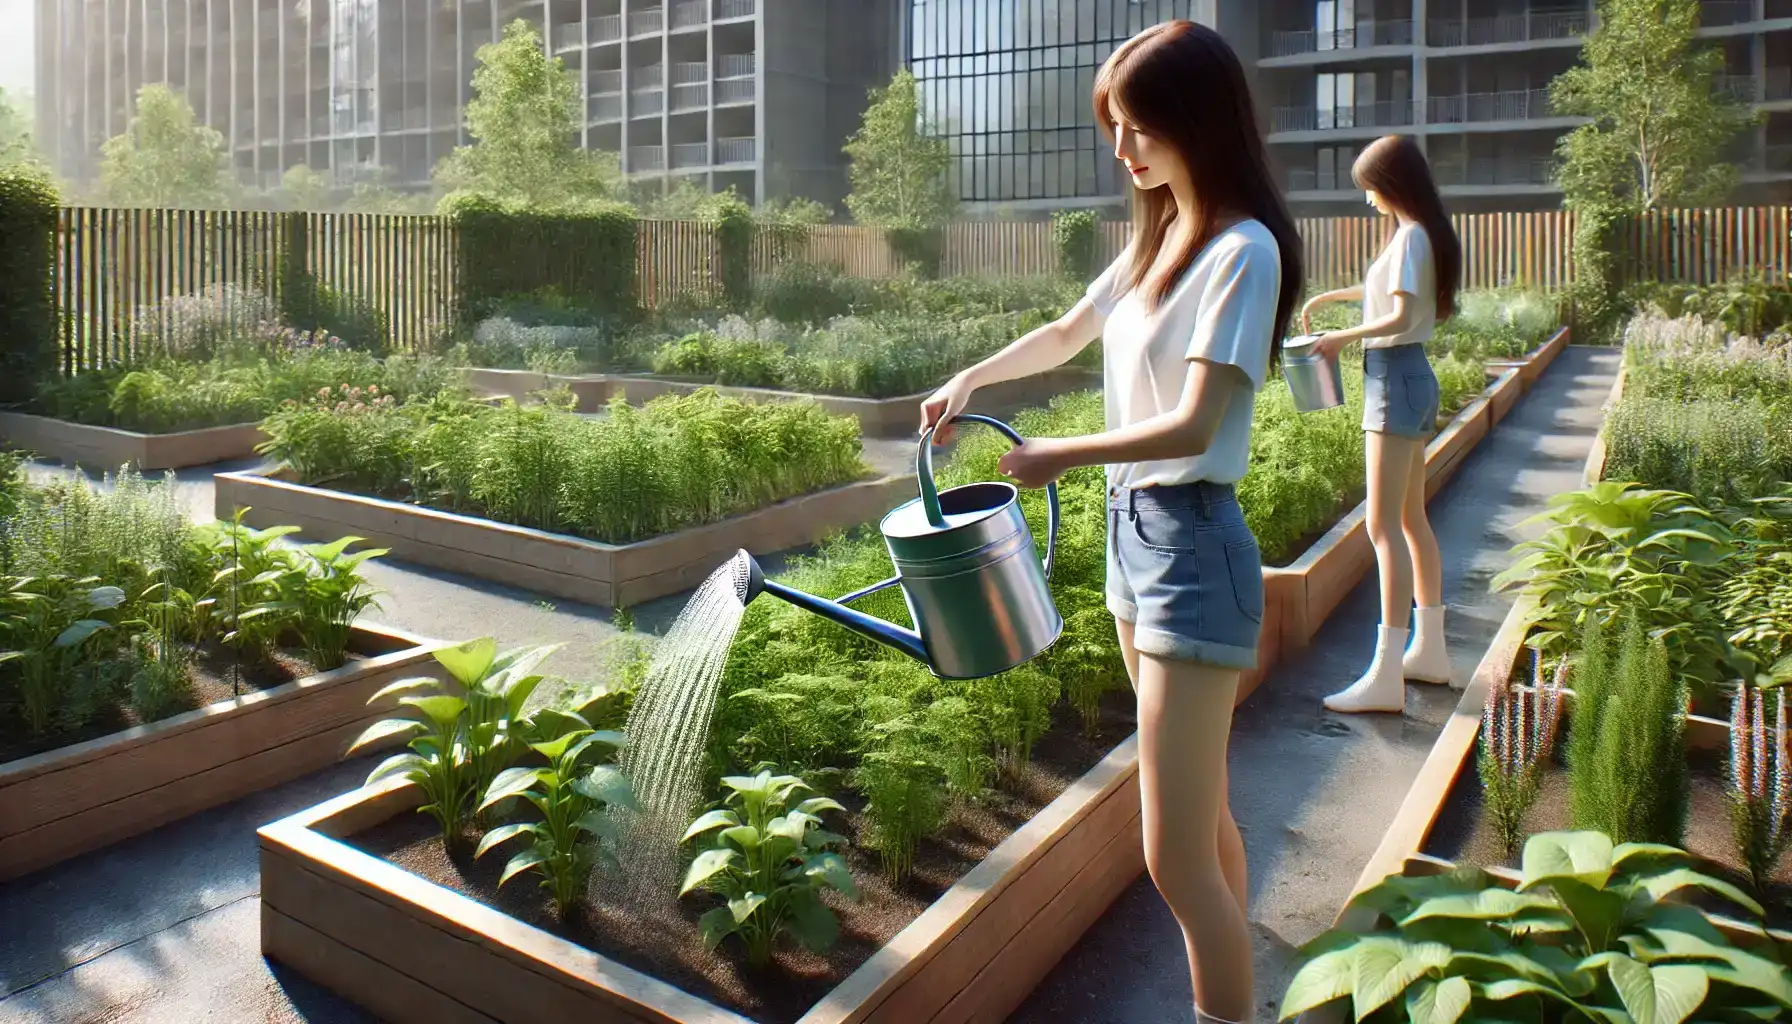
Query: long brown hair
pixel 1393 166
pixel 1182 84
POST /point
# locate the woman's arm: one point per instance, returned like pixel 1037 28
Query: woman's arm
pixel 1034 352
pixel 1354 293
pixel 1401 319
pixel 1184 431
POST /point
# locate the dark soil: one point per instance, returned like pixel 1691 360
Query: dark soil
pixel 664 941
pixel 215 676
pixel 1463 832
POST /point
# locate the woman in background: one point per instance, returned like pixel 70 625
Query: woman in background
pixel 1409 288
pixel 1191 318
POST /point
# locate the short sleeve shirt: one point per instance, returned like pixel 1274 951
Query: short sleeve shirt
pixel 1223 310
pixel 1406 265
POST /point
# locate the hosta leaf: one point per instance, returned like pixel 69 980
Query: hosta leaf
pixel 1585 857
pixel 714 819
pixel 813 924
pixel 1442 1002
pixel 593 739
pixel 1655 995
pixel 1756 973
pixel 742 907
pixel 1499 991
pixel 468 662
pixel 598 824
pixel 80 630
pixel 1676 879
pixel 831 869
pixel 509 783
pixel 708 864
pixel 384 730
pixel 405 686
pixel 1486 905
pixel 1326 977
pixel 1499 966
pixel 395 765
pixel 331 551
pixel 556 748
pixel 503 834
pixel 521 862
pixel 442 709
pixel 606 784
pixel 821 839
pixel 817 804
pixel 744 836
pixel 787 826
pixel 1634 856
pixel 1385 967
pixel 715 926
pixel 105 597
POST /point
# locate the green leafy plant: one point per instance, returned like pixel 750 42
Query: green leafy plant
pixel 1518 734
pixel 322 594
pixel 1592 932
pixel 1074 237
pixel 45 622
pixel 572 798
pixel 771 864
pixel 28 217
pixel 1760 780
pixel 1627 772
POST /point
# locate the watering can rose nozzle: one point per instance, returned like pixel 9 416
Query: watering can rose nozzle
pixel 750 584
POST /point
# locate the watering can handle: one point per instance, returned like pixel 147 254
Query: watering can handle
pixel 930 495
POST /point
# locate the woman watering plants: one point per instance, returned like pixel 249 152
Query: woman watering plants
pixel 1409 287
pixel 1191 315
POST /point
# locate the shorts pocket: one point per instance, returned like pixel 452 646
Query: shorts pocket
pixel 1166 529
pixel 1245 565
pixel 1374 368
pixel 1421 392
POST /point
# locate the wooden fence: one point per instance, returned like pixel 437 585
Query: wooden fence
pixel 119 272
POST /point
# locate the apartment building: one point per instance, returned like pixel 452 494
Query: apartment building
pixel 757 94
pixel 1470 79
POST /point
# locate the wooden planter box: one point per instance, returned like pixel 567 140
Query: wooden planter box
pixel 106 449
pixel 878 417
pixel 556 564
pixel 1534 363
pixel 81 797
pixel 410 950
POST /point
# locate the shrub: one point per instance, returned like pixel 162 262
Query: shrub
pixel 29 208
pixel 798 293
pixel 735 231
pixel 1074 236
pixel 502 252
pixel 919 248
pixel 1627 771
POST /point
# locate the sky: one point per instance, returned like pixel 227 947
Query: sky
pixel 16 44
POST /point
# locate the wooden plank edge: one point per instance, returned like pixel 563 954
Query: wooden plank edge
pixel 1596 456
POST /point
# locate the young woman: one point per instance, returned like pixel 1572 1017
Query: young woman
pixel 1192 317
pixel 1410 287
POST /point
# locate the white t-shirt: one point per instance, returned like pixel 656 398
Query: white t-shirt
pixel 1404 266
pixel 1223 311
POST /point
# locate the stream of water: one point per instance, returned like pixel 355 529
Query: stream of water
pixel 667 729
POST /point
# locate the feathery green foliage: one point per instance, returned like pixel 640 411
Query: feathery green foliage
pixel 1627 770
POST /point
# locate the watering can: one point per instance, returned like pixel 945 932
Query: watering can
pixel 975 588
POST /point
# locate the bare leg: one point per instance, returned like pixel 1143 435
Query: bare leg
pixel 1185 716
pixel 1390 462
pixel 1231 845
pixel 1427 660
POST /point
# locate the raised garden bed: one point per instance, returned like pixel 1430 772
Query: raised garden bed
pixel 107 448
pixel 551 563
pixel 878 417
pixel 87 795
pixel 1535 362
pixel 410 949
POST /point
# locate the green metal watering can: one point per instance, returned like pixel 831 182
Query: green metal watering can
pixel 975 587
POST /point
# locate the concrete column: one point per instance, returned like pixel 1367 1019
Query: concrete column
pixel 1757 51
pixel 1421 77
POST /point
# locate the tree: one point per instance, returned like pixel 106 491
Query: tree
pixel 1658 129
pixel 15 130
pixel 524 119
pixel 898 172
pixel 304 188
pixel 165 158
pixel 795 212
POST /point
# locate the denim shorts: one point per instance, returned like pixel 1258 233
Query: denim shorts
pixel 1184 569
pixel 1400 392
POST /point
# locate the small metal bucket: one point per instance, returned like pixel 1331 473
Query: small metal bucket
pixel 1313 379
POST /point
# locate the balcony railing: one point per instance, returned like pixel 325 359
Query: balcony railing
pixel 690 96
pixel 604 108
pixel 1517 105
pixel 1494 171
pixel 734 90
pixel 646 102
pixel 1527 27
pixel 735 8
pixel 568 37
pixel 650 77
pixel 736 151
pixel 1779 83
pixel 1385 113
pixel 689 72
pixel 1776 158
pixel 1394 32
pixel 646 22
pixel 647 158
pixel 690 154
pixel 1713 13
pixel 1740 86
pixel 690 14
pixel 605 83
pixel 735 65
pixel 605 28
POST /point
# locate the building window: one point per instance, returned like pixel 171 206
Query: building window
pixel 1008 84
pixel 1334 24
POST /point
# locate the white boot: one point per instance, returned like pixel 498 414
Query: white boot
pixel 1381 688
pixel 1428 660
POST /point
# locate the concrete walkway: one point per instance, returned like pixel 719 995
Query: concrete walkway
pixel 1313 790
pixel 165 927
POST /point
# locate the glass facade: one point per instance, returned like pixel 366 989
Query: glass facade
pixel 1007 83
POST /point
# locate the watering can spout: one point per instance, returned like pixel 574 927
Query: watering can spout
pixel 751 582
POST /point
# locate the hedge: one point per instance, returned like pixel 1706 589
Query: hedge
pixel 500 253
pixel 29 207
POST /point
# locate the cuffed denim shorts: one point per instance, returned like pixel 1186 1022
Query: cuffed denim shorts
pixel 1400 392
pixel 1184 569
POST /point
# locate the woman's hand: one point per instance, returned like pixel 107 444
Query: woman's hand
pixel 1034 464
pixel 944 404
pixel 1331 343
